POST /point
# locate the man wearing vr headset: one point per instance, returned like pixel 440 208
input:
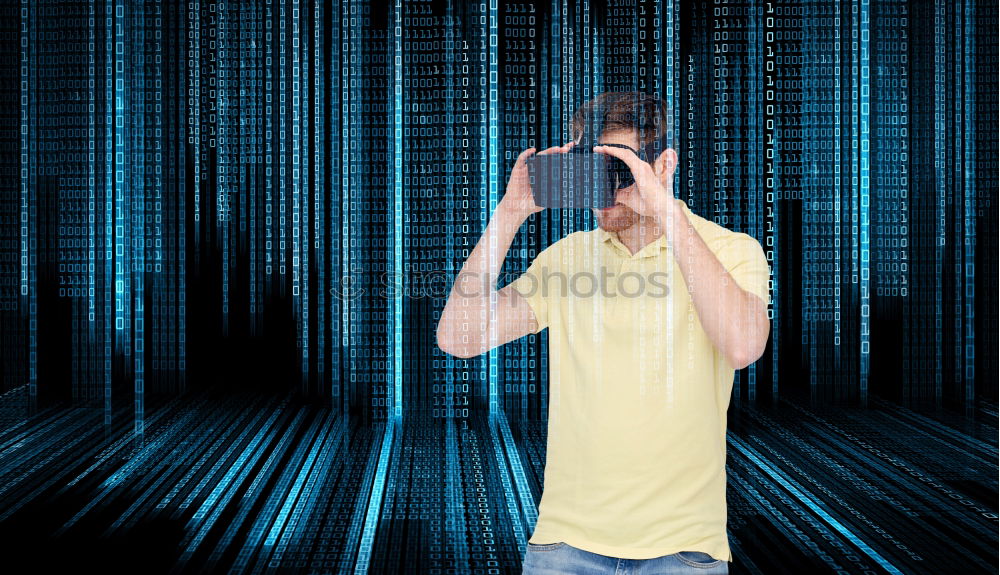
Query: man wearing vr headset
pixel 639 383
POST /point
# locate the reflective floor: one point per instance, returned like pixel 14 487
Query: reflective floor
pixel 259 484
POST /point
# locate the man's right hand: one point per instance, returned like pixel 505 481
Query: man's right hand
pixel 518 201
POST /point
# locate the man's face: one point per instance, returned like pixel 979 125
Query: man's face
pixel 619 216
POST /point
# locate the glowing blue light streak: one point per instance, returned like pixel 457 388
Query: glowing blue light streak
pixel 811 503
pixel 528 508
pixel 202 522
pixel 375 499
pixel 397 212
pixel 304 474
pixel 865 200
pixel 492 193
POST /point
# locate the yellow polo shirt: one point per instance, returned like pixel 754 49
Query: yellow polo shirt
pixel 636 453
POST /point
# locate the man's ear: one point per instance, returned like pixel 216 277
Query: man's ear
pixel 665 164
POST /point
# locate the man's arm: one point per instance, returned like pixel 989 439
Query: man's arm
pixel 477 317
pixel 470 325
pixel 733 318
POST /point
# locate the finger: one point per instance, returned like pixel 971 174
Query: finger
pixel 550 150
pixel 521 165
pixel 523 156
pixel 627 156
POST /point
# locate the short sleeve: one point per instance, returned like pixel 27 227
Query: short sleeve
pixel 529 285
pixel 744 258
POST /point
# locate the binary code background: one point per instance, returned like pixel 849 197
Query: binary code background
pixel 228 229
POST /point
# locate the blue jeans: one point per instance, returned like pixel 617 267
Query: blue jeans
pixel 562 558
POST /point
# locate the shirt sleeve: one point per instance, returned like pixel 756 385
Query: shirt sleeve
pixel 744 258
pixel 529 285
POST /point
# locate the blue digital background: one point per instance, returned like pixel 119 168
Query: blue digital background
pixel 228 230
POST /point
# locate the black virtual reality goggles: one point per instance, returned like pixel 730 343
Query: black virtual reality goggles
pixel 585 179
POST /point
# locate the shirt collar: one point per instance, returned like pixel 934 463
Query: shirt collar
pixel 612 237
pixel 661 242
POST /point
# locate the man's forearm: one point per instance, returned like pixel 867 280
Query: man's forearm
pixel 733 318
pixel 465 322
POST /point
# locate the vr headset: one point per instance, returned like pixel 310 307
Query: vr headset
pixel 581 178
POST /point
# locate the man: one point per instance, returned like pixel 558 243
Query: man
pixel 640 378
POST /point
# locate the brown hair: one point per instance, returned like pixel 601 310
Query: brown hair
pixel 648 114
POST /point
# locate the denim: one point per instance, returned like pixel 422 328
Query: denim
pixel 564 559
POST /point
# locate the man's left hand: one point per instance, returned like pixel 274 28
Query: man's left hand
pixel 649 197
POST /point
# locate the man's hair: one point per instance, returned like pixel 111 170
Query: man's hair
pixel 645 113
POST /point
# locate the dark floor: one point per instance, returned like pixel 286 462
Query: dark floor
pixel 253 484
